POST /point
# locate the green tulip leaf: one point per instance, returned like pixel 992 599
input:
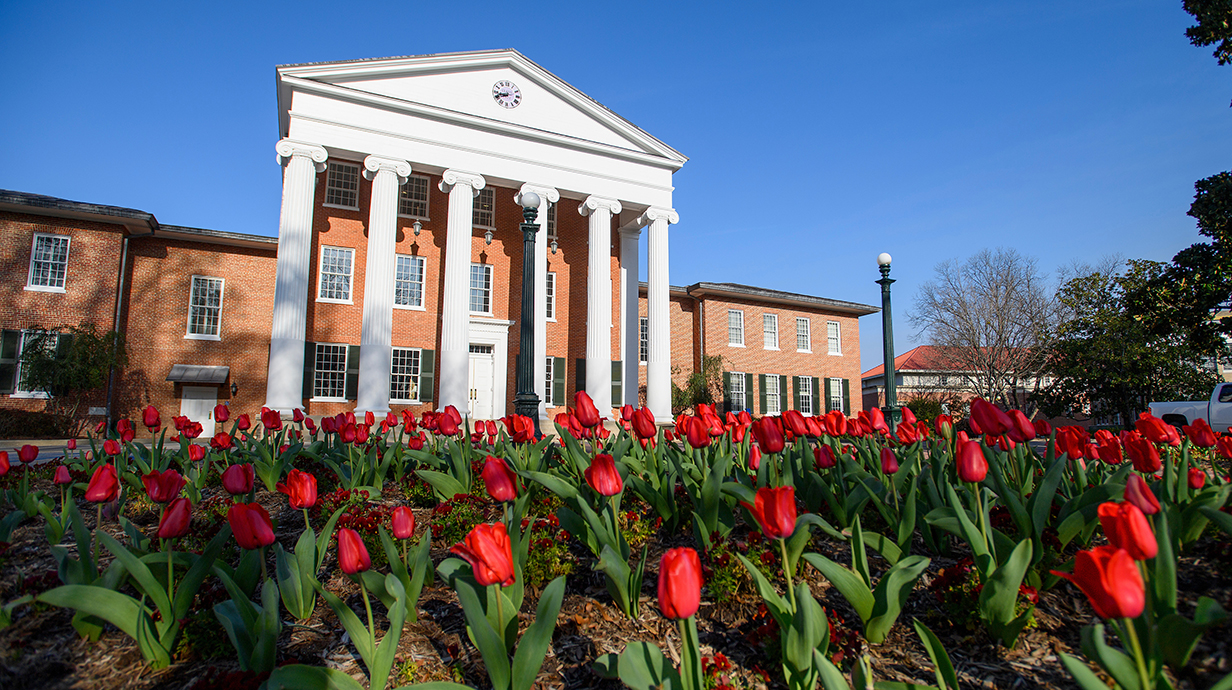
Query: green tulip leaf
pixel 301 677
pixel 1116 663
pixel 943 666
pixel 775 604
pixel 532 648
pixel 848 583
pixel 892 591
pixel 642 666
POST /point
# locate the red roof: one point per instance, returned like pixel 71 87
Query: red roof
pixel 922 358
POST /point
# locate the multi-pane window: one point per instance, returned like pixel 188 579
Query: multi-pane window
pixel 804 335
pixel 547 386
pixel 770 327
pixel 409 281
pixel 48 262
pixel 205 306
pixel 643 340
pixel 551 222
pixel 485 204
pixel 481 288
pixel 336 273
pixel 413 197
pixel 836 395
pixel 329 378
pixel 29 341
pixel 835 339
pixel 735 327
pixel 550 311
pixel 737 390
pixel 342 185
pixel 404 375
pixel 772 394
pixel 806 394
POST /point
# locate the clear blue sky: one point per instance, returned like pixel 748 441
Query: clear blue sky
pixel 820 134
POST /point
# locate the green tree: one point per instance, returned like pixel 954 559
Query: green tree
pixel 1214 26
pixel 70 363
pixel 705 386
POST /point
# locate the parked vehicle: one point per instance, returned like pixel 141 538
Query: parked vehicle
pixel 1217 411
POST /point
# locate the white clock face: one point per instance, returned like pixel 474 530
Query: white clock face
pixel 507 94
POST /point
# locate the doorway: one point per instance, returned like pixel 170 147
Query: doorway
pixel 482 379
pixel 197 403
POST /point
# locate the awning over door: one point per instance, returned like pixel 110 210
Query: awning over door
pixel 197 373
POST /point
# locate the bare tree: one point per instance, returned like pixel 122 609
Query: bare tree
pixel 990 317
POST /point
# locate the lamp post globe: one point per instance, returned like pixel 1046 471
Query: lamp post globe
pixel 892 411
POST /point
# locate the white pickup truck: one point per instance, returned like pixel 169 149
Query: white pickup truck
pixel 1217 411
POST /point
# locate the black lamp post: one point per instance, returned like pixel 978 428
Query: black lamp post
pixel 892 412
pixel 525 402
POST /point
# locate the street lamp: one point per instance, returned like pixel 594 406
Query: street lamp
pixel 525 402
pixel 891 409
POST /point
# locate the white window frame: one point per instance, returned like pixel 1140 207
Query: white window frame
pixel 731 342
pixel 68 243
pixel 486 195
pixel 18 391
pixel 413 379
pixel 423 269
pixel 836 396
pixel 774 401
pixel 834 343
pixel 316 360
pixel 738 394
pixel 192 298
pixel 334 182
pixel 547 387
pixel 405 198
pixel 643 340
pixel 550 222
pixel 807 332
pixel 770 331
pixel 471 288
pixel 550 291
pixel 806 396
pixel 350 276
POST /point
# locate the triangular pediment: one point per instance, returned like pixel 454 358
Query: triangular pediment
pixel 462 85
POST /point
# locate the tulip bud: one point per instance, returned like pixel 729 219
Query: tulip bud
pixel 972 465
pixel 1197 478
pixel 63 476
pixel 300 488
pixel 889 462
pixel 823 457
pixel 1139 494
pixel 176 519
pixel 603 476
pixel 104 485
pixel 403 522
pixel 500 481
pixel 680 583
pixel 1127 528
pixel 754 457
pixel 238 479
pixel 352 554
pixel 488 549
pixel 775 511
pixel 221 412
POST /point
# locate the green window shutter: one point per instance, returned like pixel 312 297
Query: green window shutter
pixel 795 385
pixel 846 396
pixel 617 401
pixel 817 408
pixel 761 388
pixel 9 341
pixel 427 375
pixel 748 392
pixel 310 368
pixel 558 381
pixel 580 378
pixel 727 398
pixel 828 393
pixel 352 373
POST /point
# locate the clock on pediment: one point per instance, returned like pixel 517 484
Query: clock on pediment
pixel 506 93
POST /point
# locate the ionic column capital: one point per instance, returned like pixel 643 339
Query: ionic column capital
pixel 548 194
pixel 452 178
pixel 594 203
pixel 290 148
pixel 374 164
pixel 654 213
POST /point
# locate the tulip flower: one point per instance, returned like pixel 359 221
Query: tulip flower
pixel 1223 445
pixel 603 476
pixel 446 426
pixel 1127 528
pixel 221 412
pixel 196 453
pixel 877 422
pixel 696 432
pixel 243 423
pixel 1043 428
pixel 1200 434
pixel 403 522
pixel 500 481
pixel 150 418
pixel 300 488
pixel 176 519
pixel 1144 454
pixel 836 423
pixel 795 422
pixel 1197 478
pixel 989 417
pixel 889 461
pixel 271 419
pixel 126 431
pixel 361 434
pixel 238 479
pixel 768 435
pixel 1110 579
pixel 585 411
pixel 221 441
pixel 162 487
pixel 754 457
pixel 28 453
pixel 4 463
pixel 111 447
pixel 775 511
pixel 972 465
pixel 488 550
pixel 944 426
pixel 644 423
pixel 63 476
pixel 251 526
pixel 104 485
pixel 1152 427
pixel 352 554
pixel 908 416
pixel 907 434
pixel 1021 429
pixel 297 416
pixel 680 583
pixel 823 457
pixel 1174 436
pixel 1111 453
pixel 71 444
pixel 1138 493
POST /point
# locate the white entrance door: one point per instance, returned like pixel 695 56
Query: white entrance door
pixel 198 405
pixel 482 381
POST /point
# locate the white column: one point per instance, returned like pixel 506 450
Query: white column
pixel 630 333
pixel 659 357
pixel 547 197
pixel 599 300
pixel 376 337
pixel 285 381
pixel 454 360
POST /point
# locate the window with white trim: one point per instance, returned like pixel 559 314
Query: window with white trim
pixel 342 185
pixel 836 395
pixel 643 339
pixel 804 335
pixel 329 372
pixel 770 331
pixel 737 389
pixel 413 197
pixel 484 214
pixel 205 307
pixel 550 310
pixel 735 327
pixel 551 222
pixel 404 375
pixel 408 281
pixel 335 274
pixel 773 405
pixel 834 337
pixel 481 289
pixel 48 263
pixel 48 342
pixel 547 386
pixel 806 394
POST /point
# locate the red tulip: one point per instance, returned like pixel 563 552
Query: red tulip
pixel 584 409
pixel 1197 478
pixel 238 479
pixel 446 426
pixel 488 550
pixel 1111 453
pixel 125 429
pixel 1174 436
pixel 907 434
pixel 754 457
pixel 626 413
pixel 644 423
pixel 795 422
pixel 150 418
pixel 877 422
pixel 1138 493
pixel 162 487
pixel 1223 444
pixel 175 519
pixel 603 476
pixel 62 476
pixel 361 434
pixel 4 462
pixel 815 428
pixel 28 453
pixel 972 465
pixel 297 415
pixel 1152 427
pixel 251 525
pixel 944 426
pixel 352 554
pixel 403 522
pixel 823 457
pixel 1200 434
pixel 989 417
pixel 104 485
pixel 908 416
pixel 836 423
pixel 243 423
pixel 71 444
pixel 221 441
pixel 300 488
pixel 768 435
pixel 1042 428
pixel 311 426
pixel 696 432
pixel 501 482
pixel 1144 454
pixel 196 453
pixel 221 412
pixel 1127 528
pixel 775 511
pixel 271 419
pixel 680 583
pixel 1110 579
pixel 889 462
pixel 1021 429
pixel 192 429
